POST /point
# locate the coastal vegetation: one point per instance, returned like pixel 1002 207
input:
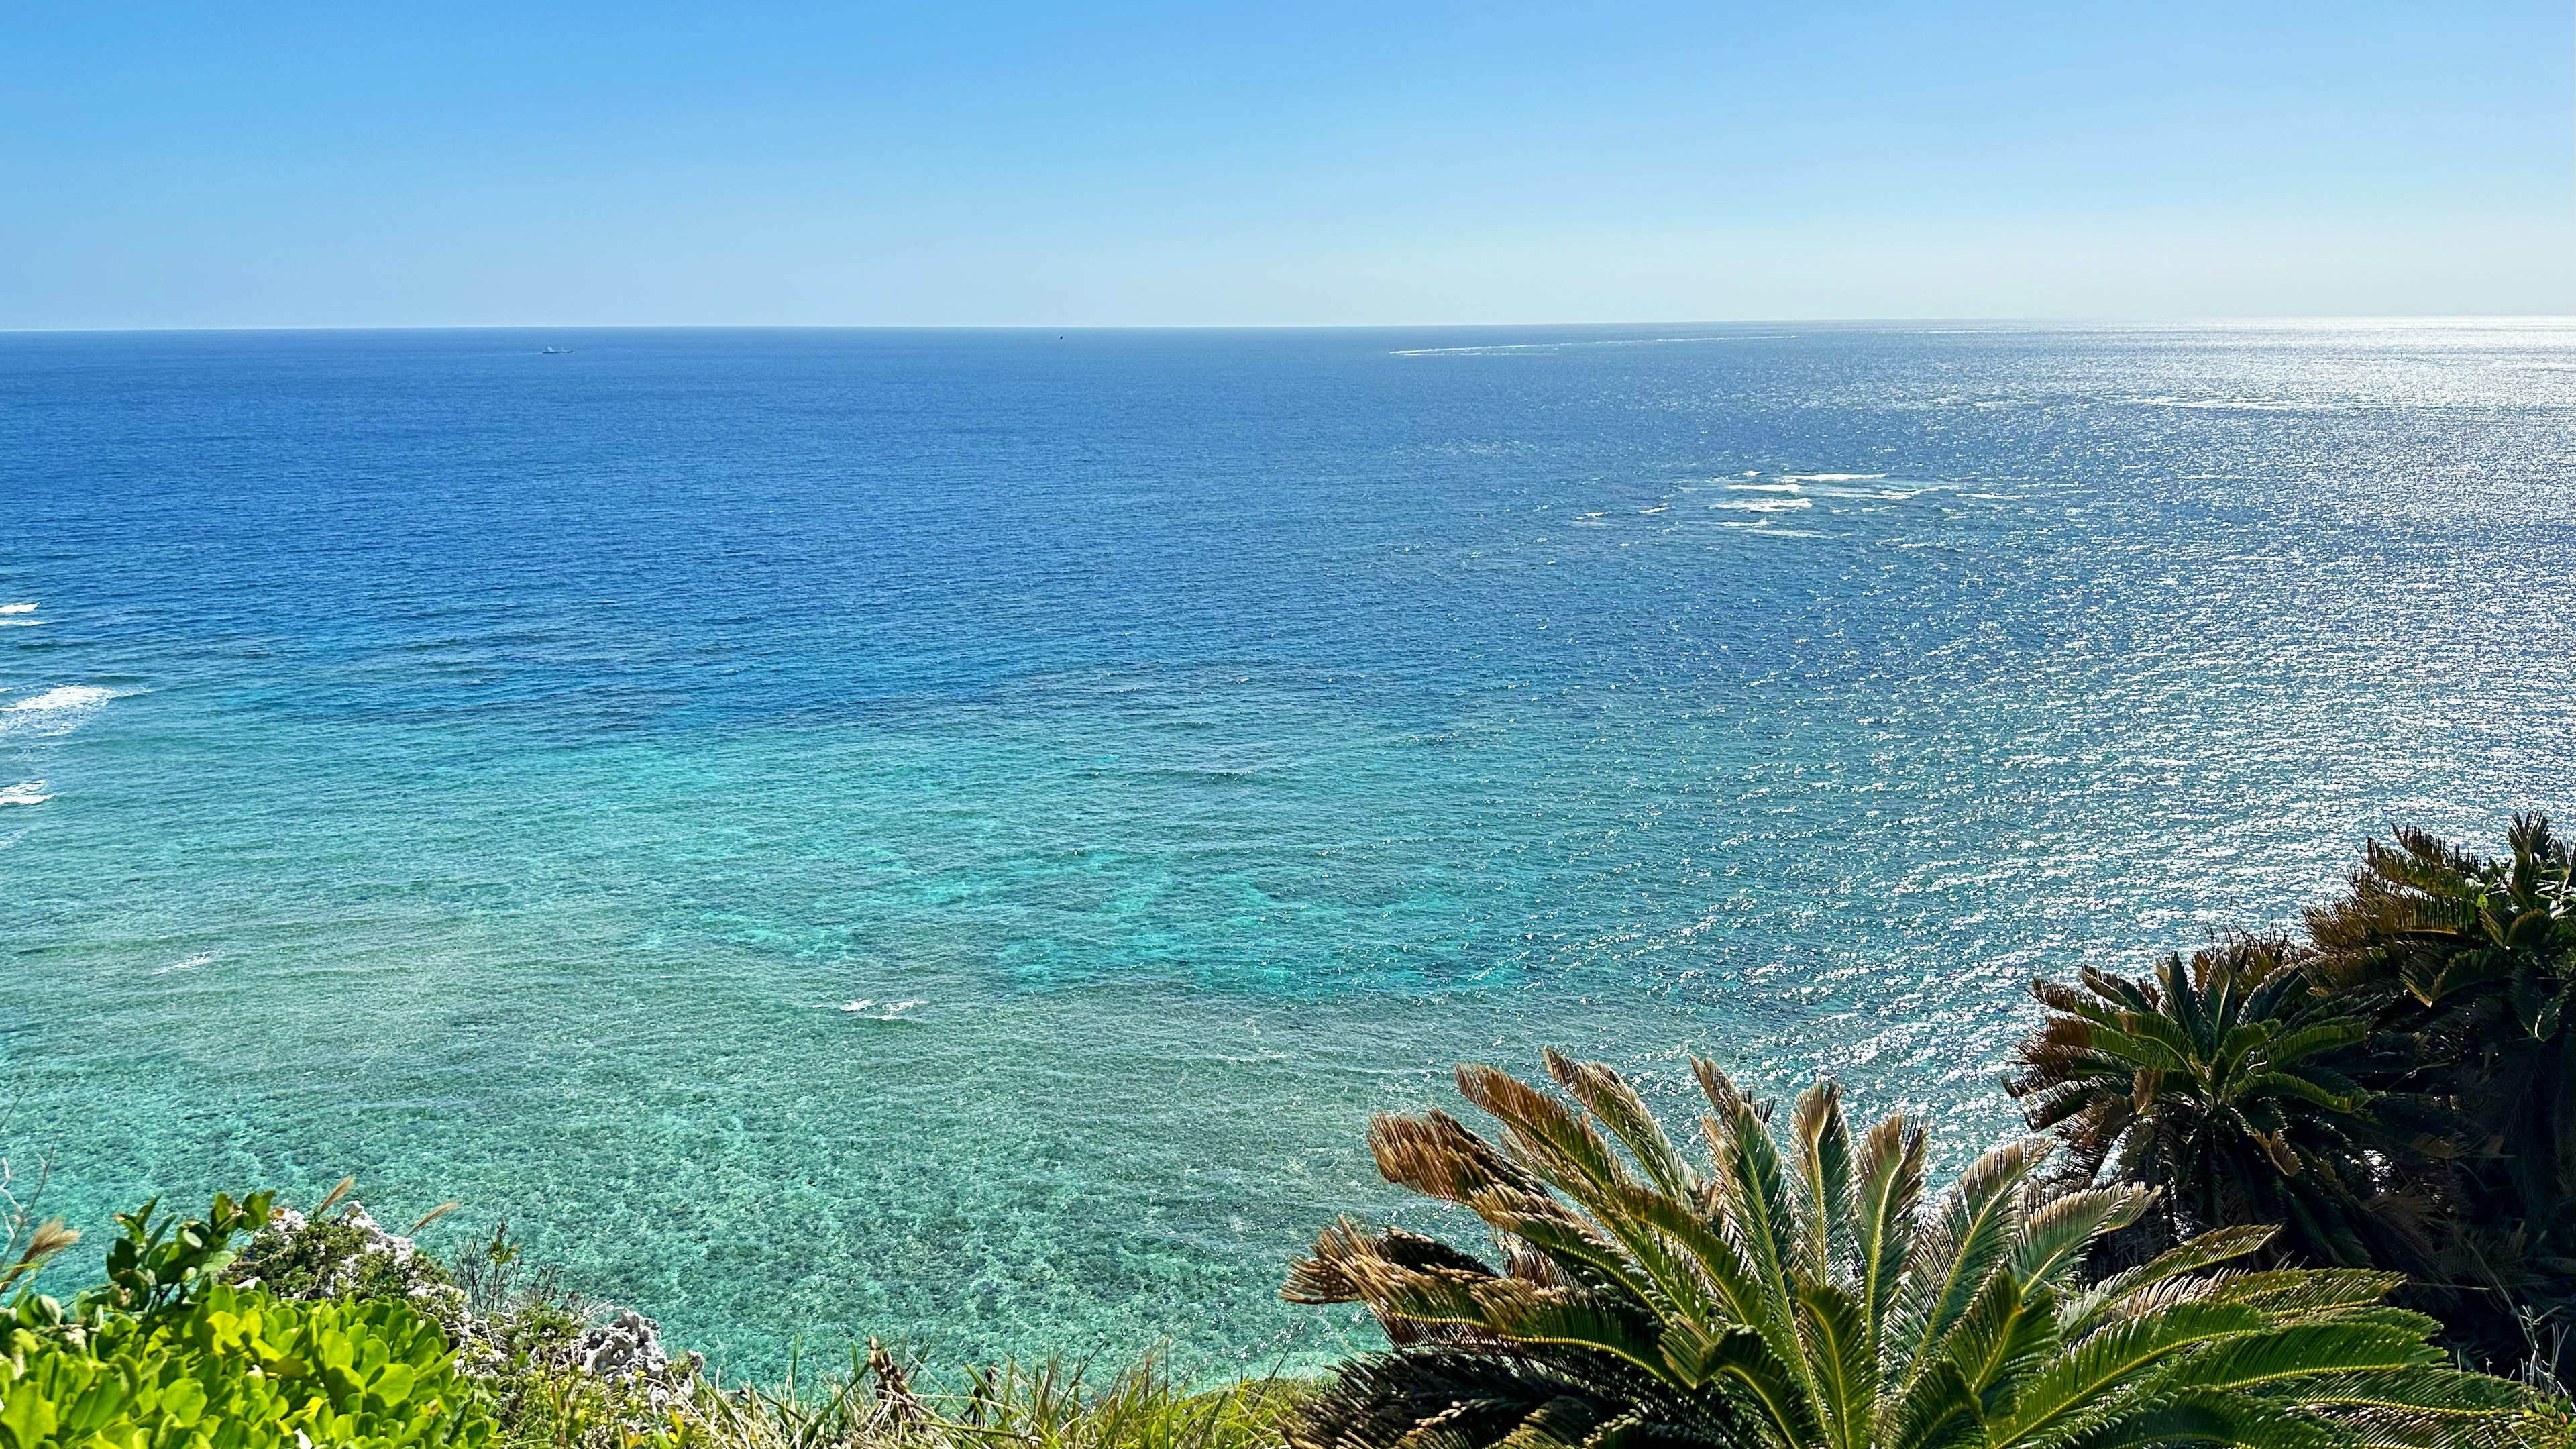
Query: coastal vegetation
pixel 2300 1192
pixel 258 1326
pixel 2397 1090
pixel 2215 1081
pixel 164 1352
pixel 1798 1299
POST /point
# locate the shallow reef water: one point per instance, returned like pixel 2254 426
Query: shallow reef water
pixel 948 835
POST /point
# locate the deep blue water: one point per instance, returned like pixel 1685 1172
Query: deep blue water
pixel 498 774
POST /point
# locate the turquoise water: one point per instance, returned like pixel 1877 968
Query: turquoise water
pixel 949 835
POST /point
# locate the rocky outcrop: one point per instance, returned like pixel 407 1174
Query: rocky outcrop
pixel 341 1255
pixel 501 1327
pixel 629 1345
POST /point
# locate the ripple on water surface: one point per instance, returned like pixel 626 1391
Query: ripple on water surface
pixel 949 835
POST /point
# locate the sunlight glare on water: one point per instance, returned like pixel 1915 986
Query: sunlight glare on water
pixel 949 835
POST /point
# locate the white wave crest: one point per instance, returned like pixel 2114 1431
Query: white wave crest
pixel 64 696
pixel 25 792
pixel 57 711
pixel 28 607
pixel 893 1009
pixel 191 964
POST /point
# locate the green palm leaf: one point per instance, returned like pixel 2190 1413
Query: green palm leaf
pixel 1796 1299
pixel 2220 1081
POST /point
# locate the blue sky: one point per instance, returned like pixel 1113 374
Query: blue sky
pixel 368 164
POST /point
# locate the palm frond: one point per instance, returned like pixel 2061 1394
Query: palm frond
pixel 1792 1296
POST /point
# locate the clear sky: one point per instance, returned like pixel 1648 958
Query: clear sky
pixel 366 163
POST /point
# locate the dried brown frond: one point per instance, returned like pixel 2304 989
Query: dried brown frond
pixel 1549 1135
pixel 1438 1156
pixel 49 1238
pixel 895 1398
pixel 2057 996
pixel 1348 1258
pixel 347 1186
pixel 1318 1278
pixel 43 1242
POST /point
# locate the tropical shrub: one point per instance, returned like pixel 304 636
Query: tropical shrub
pixel 158 1263
pixel 338 1251
pixel 2220 1081
pixel 2466 969
pixel 161 1352
pixel 237 1369
pixel 1794 1300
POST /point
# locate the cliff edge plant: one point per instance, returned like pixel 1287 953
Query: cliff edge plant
pixel 337 1250
pixel 2466 968
pixel 1796 1300
pixel 236 1369
pixel 1052 1405
pixel 2220 1082
pixel 161 1354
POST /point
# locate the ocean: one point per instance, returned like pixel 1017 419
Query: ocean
pixel 949 835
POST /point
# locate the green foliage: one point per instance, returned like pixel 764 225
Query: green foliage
pixel 2400 1092
pixel 224 1368
pixel 163 1355
pixel 2447 928
pixel 2219 1081
pixel 1792 1296
pixel 158 1262
pixel 2466 968
pixel 516 1334
pixel 519 1311
pixel 876 1405
pixel 342 1254
pixel 542 1398
pixel 2547 1422
pixel 1054 1406
pixel 540 1403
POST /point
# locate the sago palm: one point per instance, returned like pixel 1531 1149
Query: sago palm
pixel 2445 927
pixel 1798 1300
pixel 2470 965
pixel 2477 960
pixel 2217 1080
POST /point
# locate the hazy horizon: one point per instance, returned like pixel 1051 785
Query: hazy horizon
pixel 1998 324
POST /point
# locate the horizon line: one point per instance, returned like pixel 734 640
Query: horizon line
pixel 2246 319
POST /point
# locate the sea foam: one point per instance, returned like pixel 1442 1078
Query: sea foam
pixel 64 696
pixel 893 1009
pixel 53 712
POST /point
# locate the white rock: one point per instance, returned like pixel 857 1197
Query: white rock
pixel 630 1344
